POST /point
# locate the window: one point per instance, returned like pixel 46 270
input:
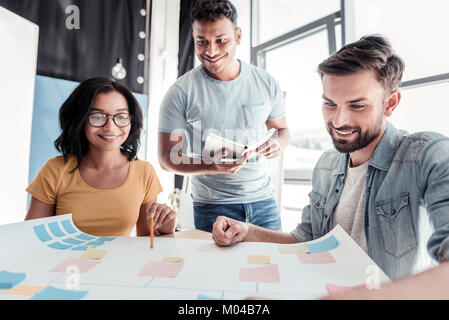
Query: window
pixel 418 34
pixel 423 108
pixel 291 37
pixel 272 18
pixel 292 57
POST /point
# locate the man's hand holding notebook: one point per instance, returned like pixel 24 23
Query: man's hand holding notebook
pixel 236 151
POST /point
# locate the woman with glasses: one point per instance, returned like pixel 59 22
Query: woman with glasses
pixel 98 178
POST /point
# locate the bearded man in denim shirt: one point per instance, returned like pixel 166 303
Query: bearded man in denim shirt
pixel 380 184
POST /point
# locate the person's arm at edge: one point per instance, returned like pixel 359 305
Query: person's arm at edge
pixel 429 284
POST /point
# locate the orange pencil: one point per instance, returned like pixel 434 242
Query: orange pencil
pixel 152 232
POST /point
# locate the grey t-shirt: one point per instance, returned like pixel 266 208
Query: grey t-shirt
pixel 197 104
pixel 350 210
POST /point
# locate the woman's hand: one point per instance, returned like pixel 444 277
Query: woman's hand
pixel 164 218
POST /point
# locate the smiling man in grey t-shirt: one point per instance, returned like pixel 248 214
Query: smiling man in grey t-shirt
pixel 235 100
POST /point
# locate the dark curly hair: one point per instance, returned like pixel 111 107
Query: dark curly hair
pixel 211 10
pixel 369 53
pixel 73 117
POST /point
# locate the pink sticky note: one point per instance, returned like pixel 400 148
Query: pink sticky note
pixel 83 265
pixel 333 288
pixel 316 258
pixel 161 269
pixel 268 273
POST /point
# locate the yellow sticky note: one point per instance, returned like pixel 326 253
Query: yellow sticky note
pixel 93 253
pixel 293 249
pixel 255 259
pixel 172 260
pixel 24 290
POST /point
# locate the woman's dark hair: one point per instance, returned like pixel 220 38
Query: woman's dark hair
pixel 369 53
pixel 211 10
pixel 73 117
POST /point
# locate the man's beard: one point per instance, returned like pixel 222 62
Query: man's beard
pixel 362 140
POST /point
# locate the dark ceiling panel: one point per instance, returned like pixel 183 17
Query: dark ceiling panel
pixel 108 29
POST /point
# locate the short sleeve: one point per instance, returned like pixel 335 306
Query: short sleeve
pixel 44 186
pixel 172 111
pixel 277 101
pixel 153 186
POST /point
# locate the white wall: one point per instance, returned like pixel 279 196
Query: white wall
pixel 163 72
pixel 18 59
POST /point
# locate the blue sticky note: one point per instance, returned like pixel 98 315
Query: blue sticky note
pixel 59 245
pixel 106 238
pixel 324 245
pixel 94 243
pixel 72 241
pixel 67 225
pixel 55 229
pixel 10 279
pixel 203 297
pixel 42 233
pixel 84 236
pixel 52 293
pixel 79 248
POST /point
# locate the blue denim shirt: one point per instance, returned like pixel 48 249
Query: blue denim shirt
pixel 407 180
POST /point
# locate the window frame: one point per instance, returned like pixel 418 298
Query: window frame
pixel 258 53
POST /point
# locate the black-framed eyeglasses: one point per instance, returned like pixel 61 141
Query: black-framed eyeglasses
pixel 99 119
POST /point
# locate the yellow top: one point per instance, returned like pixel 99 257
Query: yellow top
pixel 112 212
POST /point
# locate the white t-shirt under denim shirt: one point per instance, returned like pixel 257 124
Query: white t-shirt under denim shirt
pixel 350 210
pixel 238 109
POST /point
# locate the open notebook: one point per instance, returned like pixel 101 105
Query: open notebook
pixel 215 144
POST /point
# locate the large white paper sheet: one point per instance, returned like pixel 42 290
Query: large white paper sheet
pixel 208 271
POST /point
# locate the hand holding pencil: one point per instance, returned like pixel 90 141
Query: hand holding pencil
pixel 161 218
